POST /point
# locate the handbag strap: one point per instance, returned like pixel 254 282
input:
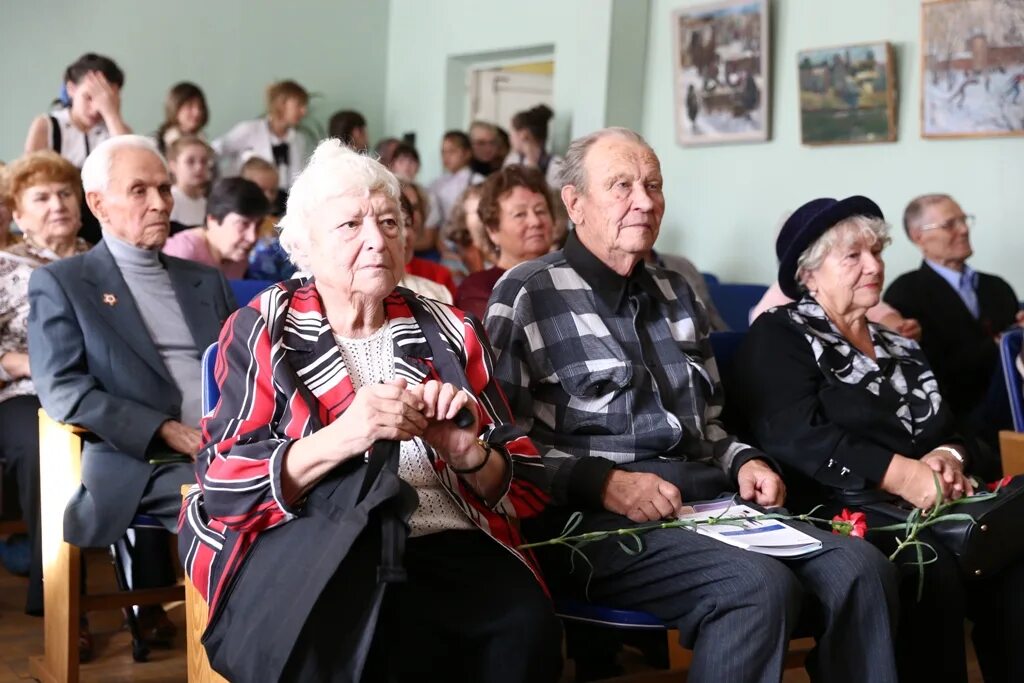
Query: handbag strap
pixel 444 362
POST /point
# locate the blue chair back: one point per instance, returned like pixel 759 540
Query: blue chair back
pixel 246 290
pixel 710 278
pixel 1009 351
pixel 734 302
pixel 725 345
pixel 210 388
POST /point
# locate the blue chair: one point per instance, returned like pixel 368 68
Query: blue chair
pixel 710 278
pixel 246 290
pixel 1009 351
pixel 210 390
pixel 734 302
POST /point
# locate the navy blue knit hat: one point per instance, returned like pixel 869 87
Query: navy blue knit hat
pixel 806 225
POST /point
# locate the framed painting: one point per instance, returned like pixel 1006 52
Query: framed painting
pixel 847 94
pixel 972 68
pixel 720 59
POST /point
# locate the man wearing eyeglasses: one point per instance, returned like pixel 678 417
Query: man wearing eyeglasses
pixel 962 312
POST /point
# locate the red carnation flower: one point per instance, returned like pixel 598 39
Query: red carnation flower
pixel 994 486
pixel 850 524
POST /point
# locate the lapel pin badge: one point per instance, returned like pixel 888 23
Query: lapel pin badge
pixel 109 299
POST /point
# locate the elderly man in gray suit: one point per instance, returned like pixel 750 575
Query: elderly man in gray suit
pixel 115 340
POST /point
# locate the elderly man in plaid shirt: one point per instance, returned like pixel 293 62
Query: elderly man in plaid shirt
pixel 606 361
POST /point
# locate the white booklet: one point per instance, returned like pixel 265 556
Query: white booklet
pixel 766 536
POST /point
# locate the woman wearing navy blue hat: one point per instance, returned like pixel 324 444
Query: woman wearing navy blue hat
pixel 853 412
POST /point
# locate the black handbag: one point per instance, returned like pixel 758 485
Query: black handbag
pixel 991 540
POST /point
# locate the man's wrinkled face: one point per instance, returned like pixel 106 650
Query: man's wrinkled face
pixel 136 205
pixel 620 210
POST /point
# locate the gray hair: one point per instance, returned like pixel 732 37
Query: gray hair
pixel 915 209
pixel 98 165
pixel 333 170
pixel 573 171
pixel 843 234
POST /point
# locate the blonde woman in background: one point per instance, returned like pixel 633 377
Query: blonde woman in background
pixel 274 137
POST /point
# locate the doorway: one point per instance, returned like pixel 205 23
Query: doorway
pixel 497 93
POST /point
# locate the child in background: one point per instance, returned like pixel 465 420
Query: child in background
pixel 267 260
pixel 189 160
pixel 185 113
pixel 264 174
pixel 405 162
pixel 90 111
pixel 274 137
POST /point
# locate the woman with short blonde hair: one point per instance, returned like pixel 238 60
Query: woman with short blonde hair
pixel 43 192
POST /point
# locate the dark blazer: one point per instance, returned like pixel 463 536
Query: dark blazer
pixel 95 365
pixel 960 348
pixel 829 436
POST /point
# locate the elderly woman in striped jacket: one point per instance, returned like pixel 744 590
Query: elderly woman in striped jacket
pixel 354 517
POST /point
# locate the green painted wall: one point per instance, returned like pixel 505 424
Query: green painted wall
pixel 724 203
pixel 431 45
pixel 402 63
pixel 232 48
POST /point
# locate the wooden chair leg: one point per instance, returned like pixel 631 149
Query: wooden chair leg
pixel 60 449
pixel 199 670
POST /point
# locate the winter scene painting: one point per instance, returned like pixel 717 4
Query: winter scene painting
pixel 847 94
pixel 972 71
pixel 721 72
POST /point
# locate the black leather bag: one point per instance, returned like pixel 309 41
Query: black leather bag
pixel 993 540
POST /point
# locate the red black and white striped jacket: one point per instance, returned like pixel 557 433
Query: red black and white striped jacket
pixel 281 339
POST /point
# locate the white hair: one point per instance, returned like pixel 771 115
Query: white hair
pixel 97 166
pixel 334 170
pixel 574 171
pixel 847 232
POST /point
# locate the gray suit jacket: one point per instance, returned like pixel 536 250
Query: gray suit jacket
pixel 95 365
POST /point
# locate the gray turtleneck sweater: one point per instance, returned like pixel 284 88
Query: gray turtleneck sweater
pixel 151 288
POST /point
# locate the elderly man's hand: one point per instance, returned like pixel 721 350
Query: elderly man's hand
pixel 759 483
pixel 641 496
pixel 182 439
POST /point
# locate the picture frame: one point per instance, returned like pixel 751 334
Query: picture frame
pixel 972 68
pixel 848 94
pixel 721 70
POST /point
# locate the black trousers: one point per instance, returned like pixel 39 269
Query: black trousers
pixel 19 446
pixel 736 609
pixel 469 612
pixel 151 563
pixel 930 644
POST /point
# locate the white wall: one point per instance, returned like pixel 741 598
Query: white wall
pixel 724 202
pixel 232 48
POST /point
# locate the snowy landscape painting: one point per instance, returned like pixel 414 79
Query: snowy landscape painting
pixel 847 94
pixel 721 72
pixel 972 68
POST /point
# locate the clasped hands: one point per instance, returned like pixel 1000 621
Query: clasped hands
pixel 914 480
pixel 645 497
pixel 394 410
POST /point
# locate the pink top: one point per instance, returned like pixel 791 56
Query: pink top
pixel 774 297
pixel 191 244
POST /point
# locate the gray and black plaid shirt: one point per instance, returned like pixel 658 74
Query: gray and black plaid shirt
pixel 602 369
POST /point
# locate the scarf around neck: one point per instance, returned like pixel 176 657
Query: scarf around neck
pixel 899 368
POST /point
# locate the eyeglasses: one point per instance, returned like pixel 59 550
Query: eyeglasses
pixel 965 221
